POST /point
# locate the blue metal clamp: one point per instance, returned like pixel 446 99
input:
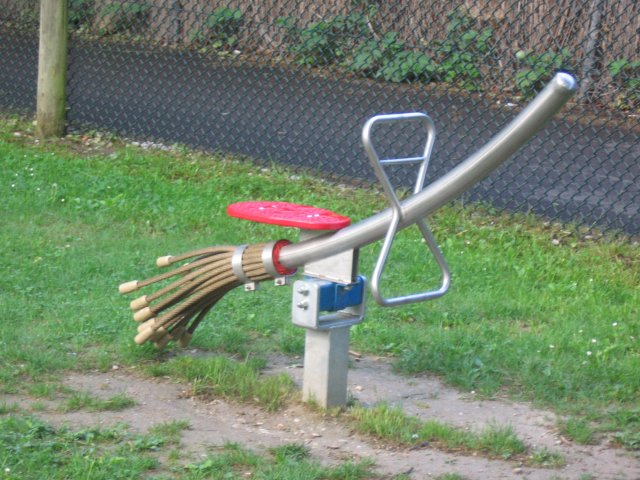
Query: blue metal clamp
pixel 312 296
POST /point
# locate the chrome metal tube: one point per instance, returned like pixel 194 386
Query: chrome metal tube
pixel 474 169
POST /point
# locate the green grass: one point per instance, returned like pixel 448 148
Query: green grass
pixel 32 449
pixel 495 441
pixel 538 311
pixel 231 379
pixel 546 458
pixel 170 431
pixel 579 430
pixel 290 451
pixel 289 461
pixel 86 401
pixel 46 389
pixel 8 408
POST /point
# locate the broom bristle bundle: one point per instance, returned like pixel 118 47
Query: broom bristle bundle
pixel 174 311
pixel 162 342
pixel 184 340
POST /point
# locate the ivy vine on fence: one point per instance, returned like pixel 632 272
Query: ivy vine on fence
pixel 353 43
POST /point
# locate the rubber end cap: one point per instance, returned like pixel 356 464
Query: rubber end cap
pixel 128 287
pixel 142 315
pixel 151 323
pixel 164 261
pixel 139 303
pixel 143 336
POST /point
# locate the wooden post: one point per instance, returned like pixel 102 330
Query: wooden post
pixel 52 68
pixel 591 49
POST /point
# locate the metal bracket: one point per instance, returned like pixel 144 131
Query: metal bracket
pixel 312 296
pixel 251 286
pixel 340 267
pixel 378 167
pixel 282 281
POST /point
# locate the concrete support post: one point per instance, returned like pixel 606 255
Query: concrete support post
pixel 52 68
pixel 326 350
pixel 326 362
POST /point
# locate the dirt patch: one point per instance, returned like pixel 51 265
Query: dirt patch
pixel 370 380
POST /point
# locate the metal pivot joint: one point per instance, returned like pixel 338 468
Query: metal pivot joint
pixel 397 216
pixel 312 296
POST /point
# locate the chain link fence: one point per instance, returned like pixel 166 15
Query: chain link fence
pixel 293 82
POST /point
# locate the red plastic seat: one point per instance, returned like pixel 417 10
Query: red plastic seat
pixel 288 215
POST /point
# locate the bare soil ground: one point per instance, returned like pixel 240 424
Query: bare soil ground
pixel 214 422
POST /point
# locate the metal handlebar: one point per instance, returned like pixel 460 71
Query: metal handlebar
pixel 396 208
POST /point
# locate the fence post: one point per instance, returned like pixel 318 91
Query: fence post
pixel 52 68
pixel 591 53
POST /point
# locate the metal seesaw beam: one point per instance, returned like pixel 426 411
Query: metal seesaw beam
pixel 474 169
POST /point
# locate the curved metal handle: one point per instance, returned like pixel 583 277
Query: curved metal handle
pixel 378 164
pixel 396 208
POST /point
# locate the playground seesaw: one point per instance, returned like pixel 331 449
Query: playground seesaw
pixel 329 298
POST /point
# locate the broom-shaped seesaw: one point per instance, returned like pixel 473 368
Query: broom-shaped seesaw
pixel 173 312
